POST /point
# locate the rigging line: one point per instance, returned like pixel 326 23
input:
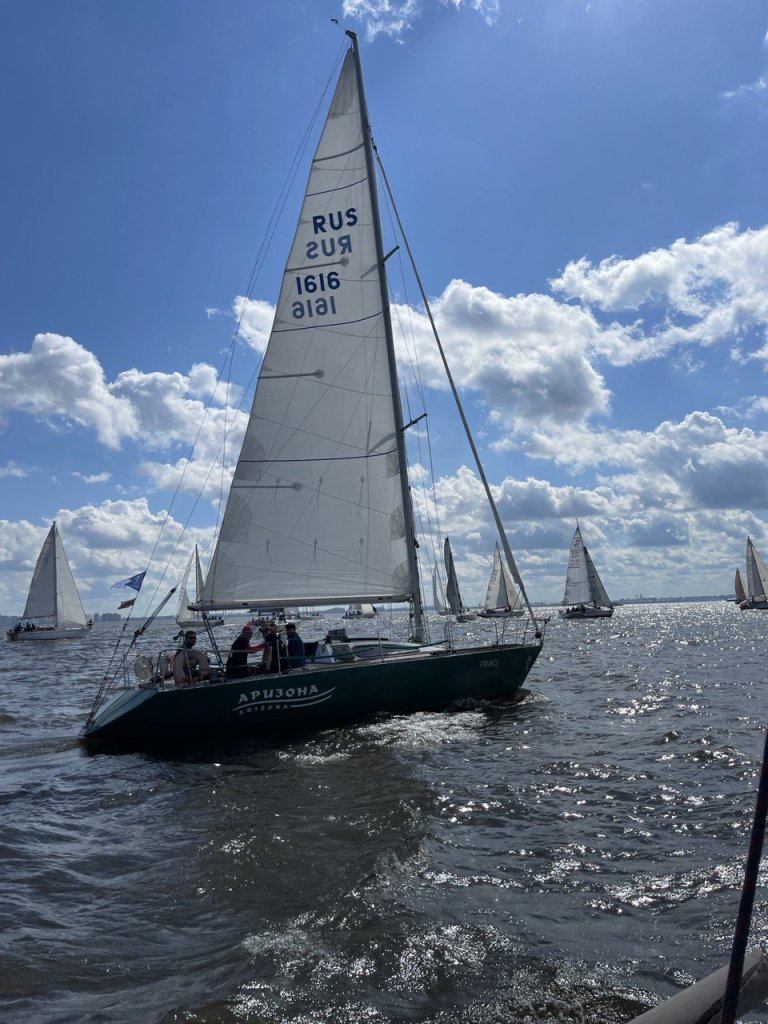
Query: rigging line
pixel 494 510
pixel 274 220
pixel 255 271
pixel 269 233
pixel 413 352
pixel 293 170
pixel 411 348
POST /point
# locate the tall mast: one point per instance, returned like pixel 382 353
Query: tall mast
pixel 419 629
pixel 55 580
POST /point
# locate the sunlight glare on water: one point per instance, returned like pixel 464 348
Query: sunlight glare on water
pixel 571 857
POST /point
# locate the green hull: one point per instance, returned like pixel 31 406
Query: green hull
pixel 309 699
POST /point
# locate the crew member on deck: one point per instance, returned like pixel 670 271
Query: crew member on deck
pixel 190 664
pixel 275 657
pixel 237 662
pixel 296 656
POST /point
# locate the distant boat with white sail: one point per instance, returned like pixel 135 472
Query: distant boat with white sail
pixel 756 596
pixel 739 589
pixel 502 599
pixel 585 596
pixel 185 618
pixel 452 592
pixel 53 610
pixel 360 611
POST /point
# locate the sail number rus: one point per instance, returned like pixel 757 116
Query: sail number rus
pixel 316 291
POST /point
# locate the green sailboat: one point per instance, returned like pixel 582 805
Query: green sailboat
pixel 319 511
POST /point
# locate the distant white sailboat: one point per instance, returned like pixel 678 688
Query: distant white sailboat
pixel 738 588
pixel 585 595
pixel 360 611
pixel 756 597
pixel 502 599
pixel 53 598
pixel 186 619
pixel 452 592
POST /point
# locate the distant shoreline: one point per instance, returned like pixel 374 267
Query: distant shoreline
pixel 11 620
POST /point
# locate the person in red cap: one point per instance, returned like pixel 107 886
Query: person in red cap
pixel 237 662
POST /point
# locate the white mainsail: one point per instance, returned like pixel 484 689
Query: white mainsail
pixel 317 512
pixel 757 574
pixel 501 593
pixel 52 592
pixel 582 582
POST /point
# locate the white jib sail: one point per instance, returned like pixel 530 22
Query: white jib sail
pixel 757 573
pixel 52 592
pixel 315 512
pixel 597 591
pixel 501 591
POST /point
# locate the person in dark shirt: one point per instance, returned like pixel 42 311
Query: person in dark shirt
pixel 296 656
pixel 275 657
pixel 237 662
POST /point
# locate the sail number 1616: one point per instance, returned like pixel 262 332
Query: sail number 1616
pixel 309 284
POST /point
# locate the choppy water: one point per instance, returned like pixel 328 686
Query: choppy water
pixel 571 858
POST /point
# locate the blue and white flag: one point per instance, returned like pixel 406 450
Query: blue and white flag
pixel 134 582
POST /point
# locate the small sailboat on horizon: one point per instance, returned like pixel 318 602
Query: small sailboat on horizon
pixel 452 592
pixel 185 617
pixel 756 596
pixel 53 610
pixel 738 588
pixel 502 600
pixel 585 596
pixel 360 610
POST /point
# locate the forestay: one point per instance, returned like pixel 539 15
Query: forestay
pixel 316 510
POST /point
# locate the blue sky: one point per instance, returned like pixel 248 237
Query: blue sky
pixel 584 188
